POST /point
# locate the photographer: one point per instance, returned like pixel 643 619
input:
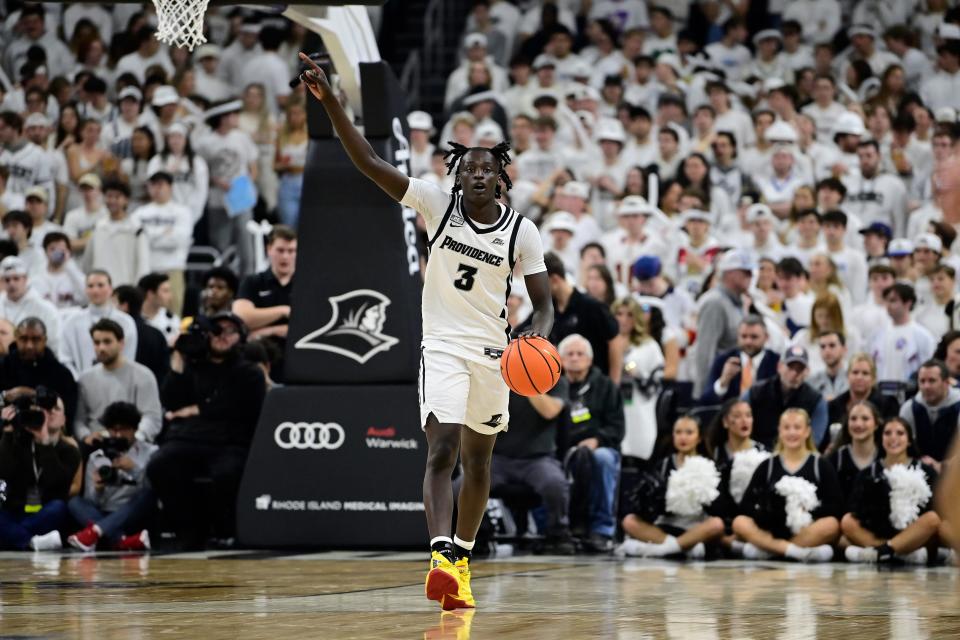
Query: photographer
pixel 116 499
pixel 30 363
pixel 37 468
pixel 213 398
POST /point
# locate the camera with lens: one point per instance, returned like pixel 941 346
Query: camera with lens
pixel 28 409
pixel 112 448
pixel 194 343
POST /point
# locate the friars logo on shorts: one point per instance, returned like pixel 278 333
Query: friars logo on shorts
pixel 355 329
pixel 494 420
pixel 309 435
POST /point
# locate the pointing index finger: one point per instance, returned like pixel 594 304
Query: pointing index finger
pixel 309 61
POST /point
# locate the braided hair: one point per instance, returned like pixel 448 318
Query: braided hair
pixel 457 151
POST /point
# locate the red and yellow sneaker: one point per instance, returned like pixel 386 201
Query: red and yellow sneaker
pixel 464 599
pixel 443 579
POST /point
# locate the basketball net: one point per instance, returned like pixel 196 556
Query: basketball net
pixel 181 22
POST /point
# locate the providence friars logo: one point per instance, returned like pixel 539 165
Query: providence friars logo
pixel 355 329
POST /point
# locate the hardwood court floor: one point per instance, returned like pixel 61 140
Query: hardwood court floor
pixel 369 595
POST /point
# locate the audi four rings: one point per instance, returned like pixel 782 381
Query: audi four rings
pixel 309 435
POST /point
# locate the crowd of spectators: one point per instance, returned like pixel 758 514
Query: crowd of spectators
pixel 751 250
pixel 751 246
pixel 132 375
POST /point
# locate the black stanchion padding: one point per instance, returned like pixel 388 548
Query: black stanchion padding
pixel 356 297
pixel 335 467
pixel 383 99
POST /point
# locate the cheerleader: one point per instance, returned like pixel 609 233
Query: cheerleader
pixel 737 456
pixel 680 524
pixel 892 518
pixel 792 505
pixel 856 446
pixel 731 431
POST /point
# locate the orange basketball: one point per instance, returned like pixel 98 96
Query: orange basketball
pixel 530 366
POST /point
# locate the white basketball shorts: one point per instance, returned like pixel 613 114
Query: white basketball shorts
pixel 461 391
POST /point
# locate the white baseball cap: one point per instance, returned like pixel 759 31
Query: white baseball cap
pixel 12 265
pixel 849 123
pixel 610 129
pixel 780 131
pixel 420 121
pixel 164 95
pixel 130 92
pixel 767 34
pixel 759 211
pixel 928 241
pixel 544 60
pixel 736 260
pixel 488 131
pixel 475 40
pixel 561 221
pixel 945 114
pixel 861 30
pixel 695 214
pixel 207 51
pixel 948 31
pixel 634 205
pixel 576 189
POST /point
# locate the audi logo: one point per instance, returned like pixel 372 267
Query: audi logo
pixel 309 435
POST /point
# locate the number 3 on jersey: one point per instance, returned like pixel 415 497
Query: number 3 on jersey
pixel 465 281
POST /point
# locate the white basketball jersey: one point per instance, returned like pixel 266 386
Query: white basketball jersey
pixel 469 272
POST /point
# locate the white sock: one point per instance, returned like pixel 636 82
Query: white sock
pixel 434 541
pixel 822 553
pixel 753 552
pixel 47 542
pixel 918 556
pixel 98 530
pixel 669 546
pixel 797 553
pixel 860 554
pixel 736 547
pixel 630 547
pixel 697 552
pixel 464 544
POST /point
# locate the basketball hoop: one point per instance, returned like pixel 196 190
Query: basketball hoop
pixel 181 22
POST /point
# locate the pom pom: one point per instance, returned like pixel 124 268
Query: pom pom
pixel 692 487
pixel 908 492
pixel 744 464
pixel 801 498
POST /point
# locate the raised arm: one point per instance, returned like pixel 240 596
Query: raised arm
pixel 385 175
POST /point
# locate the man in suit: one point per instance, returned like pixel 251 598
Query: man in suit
pixel 736 370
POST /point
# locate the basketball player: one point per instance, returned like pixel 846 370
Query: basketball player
pixel 475 244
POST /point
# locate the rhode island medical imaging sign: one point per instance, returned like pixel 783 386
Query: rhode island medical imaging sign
pixel 324 469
